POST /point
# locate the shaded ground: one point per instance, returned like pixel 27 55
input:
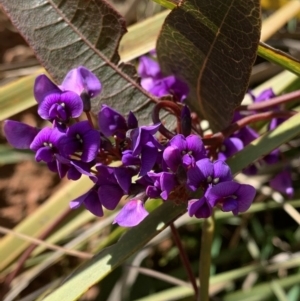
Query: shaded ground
pixel 23 186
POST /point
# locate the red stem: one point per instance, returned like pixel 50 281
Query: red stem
pixel 184 258
pixel 271 102
pixel 219 137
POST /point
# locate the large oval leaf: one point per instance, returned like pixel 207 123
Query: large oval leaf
pixel 211 44
pixel 66 34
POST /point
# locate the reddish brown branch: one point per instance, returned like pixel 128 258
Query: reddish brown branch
pixel 271 102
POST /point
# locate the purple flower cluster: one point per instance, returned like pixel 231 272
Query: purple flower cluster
pixel 67 147
pixel 178 170
pixel 154 82
pixel 282 182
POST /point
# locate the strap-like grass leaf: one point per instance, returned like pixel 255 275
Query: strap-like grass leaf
pixel 279 57
pixel 211 44
pixel 67 33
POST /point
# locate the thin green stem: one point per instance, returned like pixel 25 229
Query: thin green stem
pixel 184 258
pixel 205 257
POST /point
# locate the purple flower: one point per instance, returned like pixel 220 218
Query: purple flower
pixel 148 67
pixel 184 150
pixel 282 182
pixel 163 184
pixel 199 208
pixel 154 82
pixel 231 196
pixel 263 96
pixel 111 122
pixel 81 137
pixel 113 184
pixel 206 173
pixel 81 80
pixel 166 86
pixel 46 144
pixel 128 159
pixel 131 214
pixel 18 134
pixel 230 146
pixel 91 202
pixel 146 146
pixel 73 168
pixel 55 104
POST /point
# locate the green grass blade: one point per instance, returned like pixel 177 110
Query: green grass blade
pixel 17 96
pixel 113 256
pixel 72 225
pixel 262 291
pixel 11 247
pixel 262 146
pixel 9 155
pixel 279 57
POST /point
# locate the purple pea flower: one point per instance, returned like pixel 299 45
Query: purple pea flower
pixel 91 202
pixel 73 168
pixel 46 144
pixel 154 82
pixel 206 173
pixel 184 150
pixel 163 184
pixel 60 103
pixel 199 208
pixel 230 147
pixel 18 134
pixel 131 214
pixel 113 184
pixel 148 67
pixel 146 146
pixel 111 122
pixel 81 80
pixel 282 182
pixel 55 104
pixel 81 137
pixel 231 196
pixel 263 96
pixel 128 159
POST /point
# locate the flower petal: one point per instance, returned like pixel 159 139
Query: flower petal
pixel 222 172
pixel 42 87
pixel 111 122
pixel 167 184
pixel 179 141
pixel 18 134
pixel 200 208
pixel 195 145
pixel 172 157
pixel 282 182
pixel 148 158
pixel 110 196
pixel 81 79
pixel 148 67
pixel 92 203
pixel 131 214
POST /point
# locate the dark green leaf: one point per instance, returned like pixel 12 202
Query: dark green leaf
pixel 212 44
pixel 67 33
